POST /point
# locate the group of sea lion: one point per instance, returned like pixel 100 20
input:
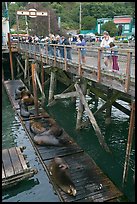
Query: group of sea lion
pixel 25 100
pixel 47 132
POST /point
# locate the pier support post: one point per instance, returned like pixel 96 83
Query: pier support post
pixel 11 62
pixel 52 86
pixel 129 142
pixel 33 69
pixel 26 65
pixel 80 107
pixel 92 119
pixel 109 108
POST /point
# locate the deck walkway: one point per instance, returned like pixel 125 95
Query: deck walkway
pixel 91 183
pixel 14 167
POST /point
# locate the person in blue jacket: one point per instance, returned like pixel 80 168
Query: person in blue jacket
pixel 82 42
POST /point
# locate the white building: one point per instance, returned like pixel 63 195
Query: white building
pixel 5 30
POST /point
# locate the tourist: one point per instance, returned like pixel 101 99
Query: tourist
pixel 114 52
pixel 105 45
pixel 81 42
pixel 65 41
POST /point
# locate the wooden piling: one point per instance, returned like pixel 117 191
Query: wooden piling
pixel 109 107
pixel 99 65
pixel 10 53
pixel 80 107
pixel 79 62
pixel 92 119
pixel 26 65
pixel 129 142
pixel 33 69
pixel 42 74
pixel 52 86
pixel 128 68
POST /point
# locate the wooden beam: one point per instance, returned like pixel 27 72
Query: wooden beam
pixel 128 68
pixel 100 94
pixel 20 65
pixel 33 67
pixel 92 119
pixel 40 86
pixel 129 142
pixel 108 103
pixel 99 65
pixel 66 95
pixel 51 88
pixel 10 53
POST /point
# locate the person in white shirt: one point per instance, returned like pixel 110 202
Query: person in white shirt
pixel 105 45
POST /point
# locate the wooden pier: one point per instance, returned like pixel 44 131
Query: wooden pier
pixel 14 167
pixel 91 183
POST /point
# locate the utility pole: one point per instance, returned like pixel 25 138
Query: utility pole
pixel 27 29
pixel 80 17
pixel 49 21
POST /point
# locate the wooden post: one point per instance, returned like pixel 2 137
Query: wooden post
pixel 26 66
pixel 129 142
pixel 80 108
pixel 79 62
pixel 11 62
pixel 51 88
pixel 2 74
pixel 109 107
pixel 46 53
pixel 54 56
pixel 65 58
pixel 42 74
pixel 33 69
pixel 99 65
pixel 127 81
pixel 92 119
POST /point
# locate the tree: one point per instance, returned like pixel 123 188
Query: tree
pixel 88 23
pixel 110 26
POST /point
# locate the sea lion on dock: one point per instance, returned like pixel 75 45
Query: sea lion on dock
pixel 51 140
pixel 18 92
pixel 46 126
pixel 24 110
pixel 59 170
pixel 36 127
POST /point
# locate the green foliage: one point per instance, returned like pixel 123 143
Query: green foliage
pixel 110 27
pixel 69 13
pixel 88 23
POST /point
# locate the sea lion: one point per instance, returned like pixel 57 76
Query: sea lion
pixel 59 170
pixel 51 140
pixel 18 91
pixel 46 126
pixel 28 101
pixel 36 127
pixel 24 110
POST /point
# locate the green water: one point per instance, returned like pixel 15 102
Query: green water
pixel 38 187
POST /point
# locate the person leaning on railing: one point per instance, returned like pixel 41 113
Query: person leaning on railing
pixel 105 45
pixel 82 42
pixel 114 52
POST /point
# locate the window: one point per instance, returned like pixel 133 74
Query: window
pixel 126 26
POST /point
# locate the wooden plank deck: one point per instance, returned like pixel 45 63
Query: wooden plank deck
pixel 14 167
pixel 91 183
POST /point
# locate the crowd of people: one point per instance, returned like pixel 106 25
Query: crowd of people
pixel 107 44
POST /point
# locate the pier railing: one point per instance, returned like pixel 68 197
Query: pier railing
pixel 70 56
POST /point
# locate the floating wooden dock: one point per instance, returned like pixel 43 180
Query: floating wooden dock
pixel 91 183
pixel 14 167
